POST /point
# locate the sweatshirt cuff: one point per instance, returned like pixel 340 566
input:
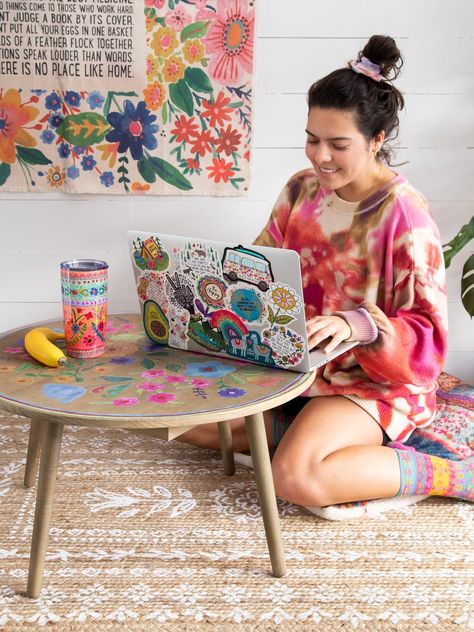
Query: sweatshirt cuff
pixel 362 325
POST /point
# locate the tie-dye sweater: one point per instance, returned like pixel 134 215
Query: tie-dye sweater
pixel 382 255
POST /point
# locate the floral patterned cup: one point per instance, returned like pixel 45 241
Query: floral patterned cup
pixel 84 294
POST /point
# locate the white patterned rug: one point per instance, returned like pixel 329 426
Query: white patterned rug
pixel 149 535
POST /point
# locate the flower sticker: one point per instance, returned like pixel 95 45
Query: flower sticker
pixel 284 299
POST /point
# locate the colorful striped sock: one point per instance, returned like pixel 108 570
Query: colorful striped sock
pixel 423 474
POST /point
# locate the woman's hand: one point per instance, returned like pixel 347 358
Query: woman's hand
pixel 321 327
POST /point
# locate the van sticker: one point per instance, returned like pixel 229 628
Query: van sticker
pixel 243 264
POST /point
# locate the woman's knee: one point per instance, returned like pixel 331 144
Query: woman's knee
pixel 301 483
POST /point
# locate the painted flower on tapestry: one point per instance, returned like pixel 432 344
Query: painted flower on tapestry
pixel 155 95
pixel 133 130
pixel 211 369
pixel 107 179
pixel 231 392
pixel 228 141
pixel 14 117
pixel 47 136
pixel 64 150
pixel 193 51
pixel 95 100
pixel 177 19
pixel 216 111
pixel 53 101
pixel 184 129
pixel 56 177
pixel 72 98
pixel 152 67
pixel 173 69
pixel 220 170
pixel 88 163
pixel 164 42
pixel 230 41
pixel 202 143
pixel 73 172
pixel 158 4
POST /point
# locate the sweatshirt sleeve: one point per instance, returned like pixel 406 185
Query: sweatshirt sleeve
pixel 411 343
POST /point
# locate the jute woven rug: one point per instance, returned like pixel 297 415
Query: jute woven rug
pixel 149 535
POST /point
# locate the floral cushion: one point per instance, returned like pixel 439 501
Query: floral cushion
pixel 451 434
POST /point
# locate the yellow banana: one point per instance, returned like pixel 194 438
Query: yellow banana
pixel 39 344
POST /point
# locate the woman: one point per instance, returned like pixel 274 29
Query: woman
pixel 372 268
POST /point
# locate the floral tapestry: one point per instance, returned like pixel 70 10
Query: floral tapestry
pixel 126 96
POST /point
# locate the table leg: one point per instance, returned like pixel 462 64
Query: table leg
pixel 32 455
pixel 225 439
pixel 51 446
pixel 257 437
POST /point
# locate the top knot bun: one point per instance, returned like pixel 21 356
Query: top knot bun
pixel 383 51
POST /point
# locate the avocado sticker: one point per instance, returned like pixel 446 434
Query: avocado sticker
pixel 155 322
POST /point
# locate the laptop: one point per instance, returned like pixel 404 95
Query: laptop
pixel 225 299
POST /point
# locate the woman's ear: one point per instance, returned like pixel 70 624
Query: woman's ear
pixel 377 141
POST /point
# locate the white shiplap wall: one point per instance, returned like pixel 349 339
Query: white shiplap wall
pixel 295 45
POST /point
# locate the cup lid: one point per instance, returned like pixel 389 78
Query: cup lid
pixel 84 265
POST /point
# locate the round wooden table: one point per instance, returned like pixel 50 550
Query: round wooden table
pixel 140 386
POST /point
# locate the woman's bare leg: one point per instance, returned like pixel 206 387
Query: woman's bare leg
pixel 207 435
pixel 332 453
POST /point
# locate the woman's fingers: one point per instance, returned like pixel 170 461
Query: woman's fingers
pixel 323 327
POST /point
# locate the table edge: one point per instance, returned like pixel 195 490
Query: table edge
pixel 162 421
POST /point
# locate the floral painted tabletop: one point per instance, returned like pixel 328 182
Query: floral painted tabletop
pixel 136 378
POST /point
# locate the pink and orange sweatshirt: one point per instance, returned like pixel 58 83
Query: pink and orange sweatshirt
pixel 379 264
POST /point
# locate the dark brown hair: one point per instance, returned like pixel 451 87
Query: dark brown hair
pixel 375 104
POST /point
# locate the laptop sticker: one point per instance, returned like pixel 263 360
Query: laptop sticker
pixel 212 291
pixel 149 254
pixel 283 301
pixel 243 264
pixel 179 321
pixel 151 285
pixel 180 291
pixel 287 345
pixel 198 260
pixel 247 302
pixel 155 323
pixel 251 347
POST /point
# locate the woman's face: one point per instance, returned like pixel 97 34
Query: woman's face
pixel 341 156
